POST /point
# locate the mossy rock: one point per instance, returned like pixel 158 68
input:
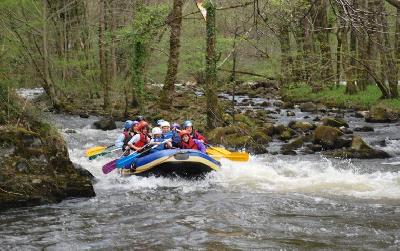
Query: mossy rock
pixel 301 125
pixel 335 122
pixel 380 114
pixel 326 136
pixel 287 134
pixel 38 169
pixel 260 137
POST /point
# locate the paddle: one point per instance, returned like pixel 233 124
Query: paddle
pixel 222 152
pixel 103 153
pixel 110 166
pixel 127 161
pixel 96 150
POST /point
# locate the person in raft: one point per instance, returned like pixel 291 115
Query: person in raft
pixel 123 138
pixel 188 142
pixel 176 139
pixel 157 140
pixel 168 134
pixel 188 126
pixel 140 139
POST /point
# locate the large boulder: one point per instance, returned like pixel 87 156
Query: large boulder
pixel 36 168
pixel 105 124
pixel 359 150
pixel 380 114
pixel 335 122
pixel 327 136
pixel 308 107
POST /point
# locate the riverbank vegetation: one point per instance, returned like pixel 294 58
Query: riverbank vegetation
pixel 108 56
pixel 337 97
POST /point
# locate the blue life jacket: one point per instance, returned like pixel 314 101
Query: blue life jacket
pixel 176 139
pixel 159 147
pixel 167 135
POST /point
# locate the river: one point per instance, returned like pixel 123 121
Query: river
pixel 272 201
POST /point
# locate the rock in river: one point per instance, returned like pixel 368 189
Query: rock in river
pixel 35 174
pixel 105 124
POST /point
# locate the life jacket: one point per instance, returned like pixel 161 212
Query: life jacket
pixel 189 145
pixel 167 135
pixel 159 147
pixel 142 141
pixel 127 137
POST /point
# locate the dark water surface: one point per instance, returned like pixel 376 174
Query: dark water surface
pixel 270 202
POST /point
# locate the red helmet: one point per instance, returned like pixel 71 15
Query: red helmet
pixel 142 124
pixel 183 132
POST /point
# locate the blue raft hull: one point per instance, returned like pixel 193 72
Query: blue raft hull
pixel 175 163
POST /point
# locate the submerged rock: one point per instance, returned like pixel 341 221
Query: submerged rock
pixel 359 150
pixel 40 174
pixel 288 148
pixel 364 129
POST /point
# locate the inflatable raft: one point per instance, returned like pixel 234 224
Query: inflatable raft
pixel 174 162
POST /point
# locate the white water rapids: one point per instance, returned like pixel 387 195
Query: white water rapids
pixel 270 202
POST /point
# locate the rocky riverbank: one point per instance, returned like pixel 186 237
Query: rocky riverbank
pixel 256 117
pixel 34 164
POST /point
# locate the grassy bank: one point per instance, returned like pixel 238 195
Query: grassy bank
pixel 336 97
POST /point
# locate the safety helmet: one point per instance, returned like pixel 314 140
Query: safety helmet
pixel 140 118
pixel 165 124
pixel 142 124
pixel 183 132
pixel 156 130
pixel 187 123
pixel 160 121
pixel 176 125
pixel 128 124
pixel 135 123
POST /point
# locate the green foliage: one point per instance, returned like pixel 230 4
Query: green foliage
pixel 337 97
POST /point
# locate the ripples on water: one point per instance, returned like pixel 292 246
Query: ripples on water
pixel 271 201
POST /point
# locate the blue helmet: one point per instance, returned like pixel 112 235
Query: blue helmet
pixel 128 124
pixel 187 123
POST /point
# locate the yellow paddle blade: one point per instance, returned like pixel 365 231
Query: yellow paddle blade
pixel 238 156
pixel 95 150
pixel 217 151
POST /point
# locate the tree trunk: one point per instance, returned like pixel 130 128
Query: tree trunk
pixel 397 43
pixel 113 28
pixel 351 87
pixel 286 58
pixel 214 116
pixel 102 56
pixel 390 63
pixel 48 83
pixel 173 61
pixel 323 38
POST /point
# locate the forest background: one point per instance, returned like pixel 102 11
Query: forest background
pixel 129 56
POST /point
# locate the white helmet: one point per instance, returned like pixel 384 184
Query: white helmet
pixel 164 123
pixel 156 130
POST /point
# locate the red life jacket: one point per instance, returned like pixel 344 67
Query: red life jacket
pixel 142 141
pixel 189 145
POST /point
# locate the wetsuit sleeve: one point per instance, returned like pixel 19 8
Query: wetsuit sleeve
pixel 119 142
